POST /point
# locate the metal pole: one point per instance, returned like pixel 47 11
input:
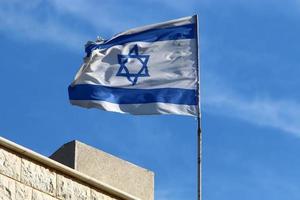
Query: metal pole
pixel 199 157
pixel 199 132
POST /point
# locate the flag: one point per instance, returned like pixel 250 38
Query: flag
pixel 142 71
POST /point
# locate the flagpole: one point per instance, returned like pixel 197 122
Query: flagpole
pixel 199 157
pixel 199 131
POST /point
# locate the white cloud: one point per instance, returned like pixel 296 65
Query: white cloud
pixel 100 15
pixel 20 18
pixel 282 114
pixel 71 22
pixel 179 5
pixel 286 8
pixel 66 23
pixel 17 19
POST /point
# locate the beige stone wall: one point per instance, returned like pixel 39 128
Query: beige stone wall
pixel 24 179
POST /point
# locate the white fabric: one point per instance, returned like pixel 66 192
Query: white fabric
pixel 139 109
pixel 171 64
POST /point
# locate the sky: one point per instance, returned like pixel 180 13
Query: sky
pixel 250 100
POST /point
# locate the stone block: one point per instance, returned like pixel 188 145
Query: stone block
pixel 7 188
pixel 81 192
pixel 23 192
pixel 115 171
pixel 38 177
pixel 10 164
pixel 68 189
pixel 37 195
pixel 100 196
pixel 64 189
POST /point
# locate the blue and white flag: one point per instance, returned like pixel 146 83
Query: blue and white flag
pixel 142 71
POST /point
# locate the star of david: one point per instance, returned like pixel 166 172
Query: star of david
pixel 126 67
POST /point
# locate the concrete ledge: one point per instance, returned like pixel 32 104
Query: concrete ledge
pixel 107 168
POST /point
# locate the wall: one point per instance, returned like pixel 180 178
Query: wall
pixel 107 168
pixel 21 178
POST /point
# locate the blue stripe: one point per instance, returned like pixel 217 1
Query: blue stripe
pixel 132 96
pixel 153 35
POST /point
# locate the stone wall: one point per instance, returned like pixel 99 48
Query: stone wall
pixel 24 179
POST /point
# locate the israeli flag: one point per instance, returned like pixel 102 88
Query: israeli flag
pixel 142 71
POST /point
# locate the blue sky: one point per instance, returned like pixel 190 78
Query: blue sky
pixel 249 92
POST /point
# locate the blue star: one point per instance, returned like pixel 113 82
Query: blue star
pixel 124 70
